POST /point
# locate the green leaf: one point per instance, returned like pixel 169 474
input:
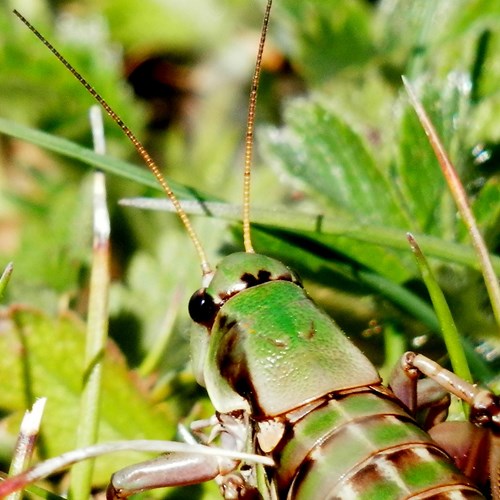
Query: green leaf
pixel 325 44
pixel 45 360
pixel 330 159
pixel 487 211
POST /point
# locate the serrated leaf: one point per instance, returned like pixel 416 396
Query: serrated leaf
pixel 326 43
pixel 330 159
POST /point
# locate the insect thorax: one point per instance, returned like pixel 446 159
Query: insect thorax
pixel 270 348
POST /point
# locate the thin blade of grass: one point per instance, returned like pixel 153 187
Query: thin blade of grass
pixel 458 192
pixel 97 323
pixel 395 345
pixel 108 164
pixel 322 224
pixel 451 336
pixel 4 279
pixel 26 440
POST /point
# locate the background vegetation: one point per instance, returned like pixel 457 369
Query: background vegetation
pixel 336 139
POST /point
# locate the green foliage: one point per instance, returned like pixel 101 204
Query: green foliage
pixel 51 365
pixel 335 127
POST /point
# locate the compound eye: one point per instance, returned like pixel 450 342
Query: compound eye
pixel 202 308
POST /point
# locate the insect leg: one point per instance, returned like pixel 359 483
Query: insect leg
pixel 236 482
pixel 165 470
pixel 474 446
pixel 485 406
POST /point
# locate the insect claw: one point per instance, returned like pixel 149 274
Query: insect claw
pixel 113 493
pixel 408 365
pixel 485 410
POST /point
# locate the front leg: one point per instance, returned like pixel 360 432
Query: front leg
pixel 183 469
pixel 172 469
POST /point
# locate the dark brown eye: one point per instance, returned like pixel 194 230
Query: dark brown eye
pixel 202 308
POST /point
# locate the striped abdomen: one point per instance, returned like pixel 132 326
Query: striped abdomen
pixel 363 445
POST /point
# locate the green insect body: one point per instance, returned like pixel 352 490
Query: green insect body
pixel 337 432
pixel 271 346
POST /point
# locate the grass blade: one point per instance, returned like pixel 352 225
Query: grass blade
pixel 4 279
pixel 458 192
pixel 451 336
pixel 97 323
pixel 28 434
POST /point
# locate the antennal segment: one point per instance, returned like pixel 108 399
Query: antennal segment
pixel 205 266
pixel 247 241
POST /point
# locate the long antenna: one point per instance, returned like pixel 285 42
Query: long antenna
pixel 205 266
pixel 247 241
